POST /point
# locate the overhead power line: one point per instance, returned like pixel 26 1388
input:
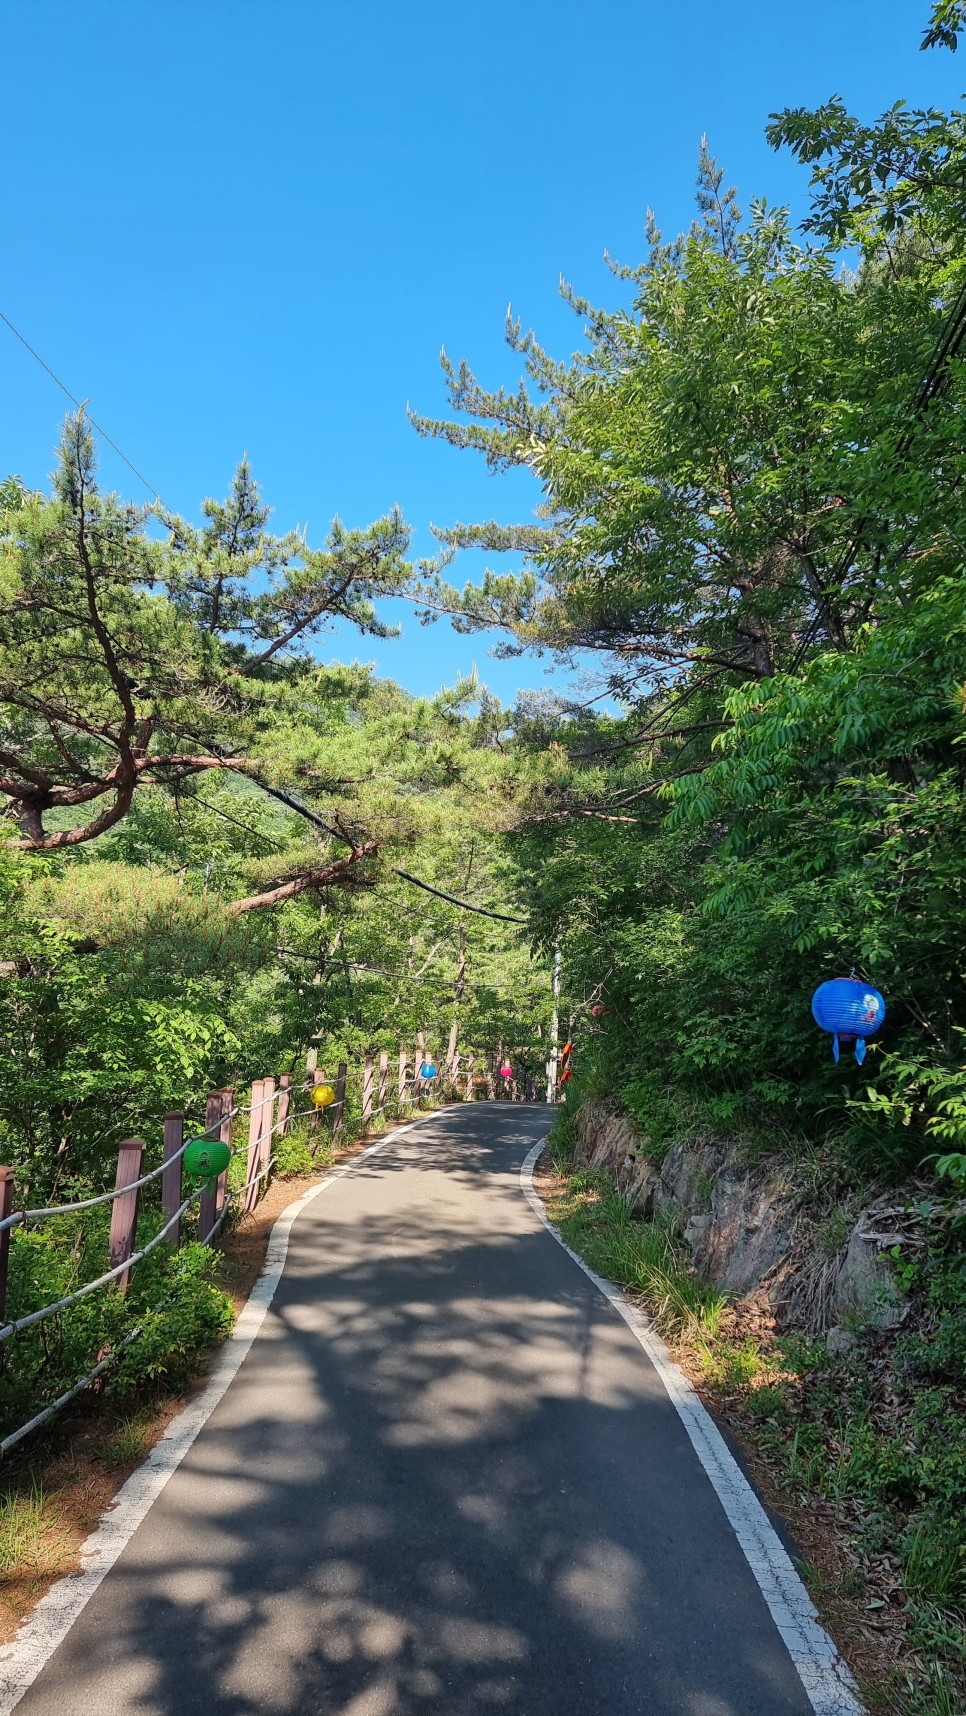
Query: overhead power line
pixel 310 815
pixel 80 406
pixel 504 917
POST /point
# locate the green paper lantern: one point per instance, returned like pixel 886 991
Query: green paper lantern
pixel 206 1158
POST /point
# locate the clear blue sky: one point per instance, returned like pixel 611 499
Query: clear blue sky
pixel 251 224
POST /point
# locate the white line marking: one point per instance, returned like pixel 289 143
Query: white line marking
pixel 825 1677
pixel 49 1623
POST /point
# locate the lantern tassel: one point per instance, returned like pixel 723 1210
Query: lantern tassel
pixel 835 1045
pixel 860 1050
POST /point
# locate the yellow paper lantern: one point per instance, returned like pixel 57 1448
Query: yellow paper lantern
pixel 322 1095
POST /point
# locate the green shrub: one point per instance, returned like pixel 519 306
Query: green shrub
pixel 300 1150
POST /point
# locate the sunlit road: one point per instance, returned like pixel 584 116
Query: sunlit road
pixel 446 1479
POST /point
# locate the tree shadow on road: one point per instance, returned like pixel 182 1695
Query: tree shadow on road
pixel 446 1481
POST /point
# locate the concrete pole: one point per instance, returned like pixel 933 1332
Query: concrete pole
pixel 554 1025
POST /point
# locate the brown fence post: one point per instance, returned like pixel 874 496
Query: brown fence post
pixel 470 1075
pixel 217 1125
pixel 267 1141
pixel 254 1143
pixel 367 1085
pixel 338 1107
pixel 6 1208
pixel 172 1196
pixel 284 1101
pixel 124 1210
pixel 224 1133
pixel 206 1203
pixel 383 1079
pixel 317 1113
pixel 490 1085
pixel 401 1081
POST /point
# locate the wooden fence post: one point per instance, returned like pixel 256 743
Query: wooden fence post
pixel 217 1125
pixel 284 1102
pixel 490 1086
pixel 124 1210
pixel 368 1078
pixel 383 1079
pixel 267 1139
pixel 318 1077
pixel 254 1144
pixel 470 1074
pixel 172 1196
pixel 6 1208
pixel 401 1085
pixel 224 1133
pixel 338 1107
pixel 206 1203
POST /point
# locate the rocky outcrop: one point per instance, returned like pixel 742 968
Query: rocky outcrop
pixel 751 1230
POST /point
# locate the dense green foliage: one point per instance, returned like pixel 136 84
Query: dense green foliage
pixel 752 508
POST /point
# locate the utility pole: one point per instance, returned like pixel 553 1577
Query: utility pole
pixel 452 1050
pixel 554 1024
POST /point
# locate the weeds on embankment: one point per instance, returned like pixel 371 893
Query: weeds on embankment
pixel 865 1454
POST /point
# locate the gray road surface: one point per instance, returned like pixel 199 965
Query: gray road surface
pixel 446 1479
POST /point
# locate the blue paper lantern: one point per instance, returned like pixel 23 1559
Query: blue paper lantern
pixel 427 1071
pixel 851 1010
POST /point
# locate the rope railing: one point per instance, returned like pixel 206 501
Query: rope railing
pixel 20 1217
pixel 104 1280
pixel 69 1394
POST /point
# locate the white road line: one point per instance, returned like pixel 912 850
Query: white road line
pixel 825 1677
pixel 49 1623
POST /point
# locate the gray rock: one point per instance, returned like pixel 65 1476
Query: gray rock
pixel 867 1294
pixel 750 1233
pixel 839 1342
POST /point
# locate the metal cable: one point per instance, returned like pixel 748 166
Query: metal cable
pixel 103 433
pixel 101 1280
pixel 63 1399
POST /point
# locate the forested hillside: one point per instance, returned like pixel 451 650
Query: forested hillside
pixel 753 514
pixel 203 873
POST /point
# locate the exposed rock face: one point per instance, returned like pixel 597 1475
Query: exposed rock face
pixel 866 1292
pixel 749 1228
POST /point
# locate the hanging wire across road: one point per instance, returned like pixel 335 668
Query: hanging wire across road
pixel 80 406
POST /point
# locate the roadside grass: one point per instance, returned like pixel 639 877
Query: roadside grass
pixel 26 1541
pixel 877 1437
pixel 601 1224
pixel 128 1441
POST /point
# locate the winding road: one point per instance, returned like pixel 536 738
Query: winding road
pixel 448 1476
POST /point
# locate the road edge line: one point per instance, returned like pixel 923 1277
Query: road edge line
pixel 47 1625
pixel 825 1676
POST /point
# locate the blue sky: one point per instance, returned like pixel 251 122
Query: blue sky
pixel 240 226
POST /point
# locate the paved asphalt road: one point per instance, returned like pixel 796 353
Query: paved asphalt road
pixel 446 1479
